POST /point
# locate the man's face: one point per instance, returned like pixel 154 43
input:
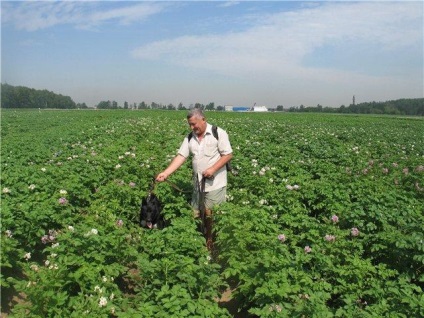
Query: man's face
pixel 197 125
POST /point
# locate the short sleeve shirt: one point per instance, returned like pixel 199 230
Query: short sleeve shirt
pixel 206 153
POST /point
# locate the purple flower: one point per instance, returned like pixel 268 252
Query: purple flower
pixel 50 237
pixel 330 238
pixel 405 171
pixel 282 238
pixel 119 223
pixel 354 231
pixel 63 201
pixel 45 239
pixel 308 249
pixel 335 218
pixel 131 184
pixel 420 168
pixel 385 170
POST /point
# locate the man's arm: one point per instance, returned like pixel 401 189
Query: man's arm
pixel 174 165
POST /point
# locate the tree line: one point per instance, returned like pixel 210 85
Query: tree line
pixel 405 106
pixel 24 97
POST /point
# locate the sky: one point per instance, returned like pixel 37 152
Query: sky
pixel 239 53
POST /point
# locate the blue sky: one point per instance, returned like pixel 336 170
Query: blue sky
pixel 227 52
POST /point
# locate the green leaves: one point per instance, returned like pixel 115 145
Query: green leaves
pixel 324 218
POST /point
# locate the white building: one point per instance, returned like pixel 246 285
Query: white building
pixel 259 108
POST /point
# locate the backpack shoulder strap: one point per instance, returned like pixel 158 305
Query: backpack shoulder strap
pixel 215 132
pixel 190 135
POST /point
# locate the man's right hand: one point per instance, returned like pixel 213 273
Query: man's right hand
pixel 161 177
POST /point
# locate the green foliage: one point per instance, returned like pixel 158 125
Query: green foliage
pixel 24 97
pixel 323 219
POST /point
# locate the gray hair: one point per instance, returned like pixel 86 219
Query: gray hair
pixel 195 112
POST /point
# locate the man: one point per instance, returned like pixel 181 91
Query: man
pixel 210 155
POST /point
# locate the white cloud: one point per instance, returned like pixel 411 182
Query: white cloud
pixel 278 43
pixel 36 15
pixel 126 15
pixel 226 4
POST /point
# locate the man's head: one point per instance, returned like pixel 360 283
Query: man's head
pixel 197 121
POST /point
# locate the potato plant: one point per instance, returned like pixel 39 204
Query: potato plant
pixel 323 217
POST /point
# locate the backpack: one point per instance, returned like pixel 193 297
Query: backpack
pixel 215 134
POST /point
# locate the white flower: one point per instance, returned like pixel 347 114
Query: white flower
pixel 8 233
pixel 55 245
pixel 6 190
pixel 102 302
pixel 229 197
pixel 31 187
pixel 43 169
pixel 27 256
pixel 63 192
pixel 117 166
pixel 71 228
pixel 94 232
pixel 104 278
pixel 263 202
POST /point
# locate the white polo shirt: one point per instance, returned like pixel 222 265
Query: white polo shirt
pixel 206 153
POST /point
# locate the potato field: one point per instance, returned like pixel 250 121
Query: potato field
pixel 324 217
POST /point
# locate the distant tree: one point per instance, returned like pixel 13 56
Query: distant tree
pixel 210 106
pixel 125 105
pixel 280 108
pixel 104 105
pixel 198 105
pixel 24 97
pixel 171 107
pixel 220 108
pixel 82 106
pixel 181 106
